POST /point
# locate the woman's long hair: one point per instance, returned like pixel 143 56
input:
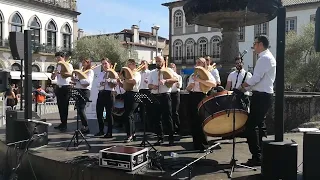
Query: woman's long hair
pixel 87 60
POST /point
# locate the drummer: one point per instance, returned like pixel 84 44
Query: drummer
pixel 196 96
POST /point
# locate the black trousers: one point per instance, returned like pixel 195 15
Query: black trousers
pixel 62 94
pixel 130 105
pixel 255 126
pixel 145 111
pixel 162 111
pixel 81 106
pixel 175 97
pixel 199 138
pixel 105 101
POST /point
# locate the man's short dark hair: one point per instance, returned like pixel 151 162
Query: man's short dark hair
pixel 132 61
pixel 238 58
pixel 264 40
pixel 61 54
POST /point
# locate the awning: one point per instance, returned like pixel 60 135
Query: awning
pixel 38 76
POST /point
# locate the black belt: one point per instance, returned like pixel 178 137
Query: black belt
pixel 101 91
pixel 261 93
pixel 160 94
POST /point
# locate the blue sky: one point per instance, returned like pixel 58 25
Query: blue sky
pixel 108 16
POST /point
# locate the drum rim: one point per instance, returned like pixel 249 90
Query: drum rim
pixel 220 113
pixel 206 99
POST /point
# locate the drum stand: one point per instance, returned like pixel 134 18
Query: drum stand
pixel 77 96
pixel 233 161
pixel 190 165
pixel 145 100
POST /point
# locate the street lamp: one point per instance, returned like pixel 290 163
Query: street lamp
pixel 156 27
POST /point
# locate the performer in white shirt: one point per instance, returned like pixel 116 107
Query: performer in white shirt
pixel 175 97
pixel 130 105
pixel 237 77
pixel 84 86
pixel 145 112
pixel 105 97
pixel 195 97
pixel 62 90
pixel 162 111
pixel 213 70
pixel 261 84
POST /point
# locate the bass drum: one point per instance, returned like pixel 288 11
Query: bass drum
pixel 217 113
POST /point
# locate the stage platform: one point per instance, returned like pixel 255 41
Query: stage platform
pixel 53 162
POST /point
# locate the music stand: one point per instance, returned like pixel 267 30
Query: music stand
pixel 233 161
pixel 145 99
pixel 77 96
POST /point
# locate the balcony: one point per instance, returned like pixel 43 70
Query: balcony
pixel 190 60
pixel 65 4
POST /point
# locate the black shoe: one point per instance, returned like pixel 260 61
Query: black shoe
pixel 59 126
pixel 252 162
pixel 108 135
pixel 159 142
pixel 85 130
pixel 171 143
pixel 129 139
pixel 63 129
pixel 101 133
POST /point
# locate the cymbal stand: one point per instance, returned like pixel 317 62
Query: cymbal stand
pixel 190 165
pixel 233 161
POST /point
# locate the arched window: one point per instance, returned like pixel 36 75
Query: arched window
pixel 1 28
pixel 178 19
pixel 202 47
pixel 215 43
pixel 50 69
pixel 190 49
pixel 16 23
pixel 51 34
pixel 35 28
pixel 66 37
pixel 177 50
pixel 35 68
pixel 15 67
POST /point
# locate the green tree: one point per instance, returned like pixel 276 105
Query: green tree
pixel 98 47
pixel 302 63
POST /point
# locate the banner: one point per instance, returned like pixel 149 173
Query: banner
pixel 91 107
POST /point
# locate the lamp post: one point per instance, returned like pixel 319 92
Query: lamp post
pixel 156 27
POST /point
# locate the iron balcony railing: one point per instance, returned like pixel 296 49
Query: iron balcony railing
pixel 66 4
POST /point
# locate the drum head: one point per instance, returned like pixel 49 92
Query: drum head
pixel 221 124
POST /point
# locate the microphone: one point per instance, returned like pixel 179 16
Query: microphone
pixel 243 53
pixel 39 122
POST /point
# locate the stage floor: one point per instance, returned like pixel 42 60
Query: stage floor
pixel 54 162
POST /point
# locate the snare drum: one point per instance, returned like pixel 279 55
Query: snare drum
pixel 217 111
pixel 118 107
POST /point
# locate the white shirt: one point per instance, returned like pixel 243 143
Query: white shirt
pixel 119 90
pixel 154 79
pixel 233 79
pixel 215 74
pixel 60 80
pixel 264 73
pixel 88 80
pixel 101 78
pixel 174 86
pixel 144 77
pixel 137 78
pixel 196 87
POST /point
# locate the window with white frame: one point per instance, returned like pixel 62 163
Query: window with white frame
pixel 203 47
pixel 291 24
pixel 215 42
pixel 35 28
pixel 66 37
pixel 16 23
pixel 178 19
pixel 241 33
pixel 261 29
pixel 51 34
pixel 177 50
pixel 190 49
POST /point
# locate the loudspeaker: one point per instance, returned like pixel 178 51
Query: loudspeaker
pixel 279 160
pixel 18 129
pixel 317 31
pixel 16 42
pixel 5 79
pixel 311 156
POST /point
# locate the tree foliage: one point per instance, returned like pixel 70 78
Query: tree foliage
pixel 98 47
pixel 302 63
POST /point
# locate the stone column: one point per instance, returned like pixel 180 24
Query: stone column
pixel 229 48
